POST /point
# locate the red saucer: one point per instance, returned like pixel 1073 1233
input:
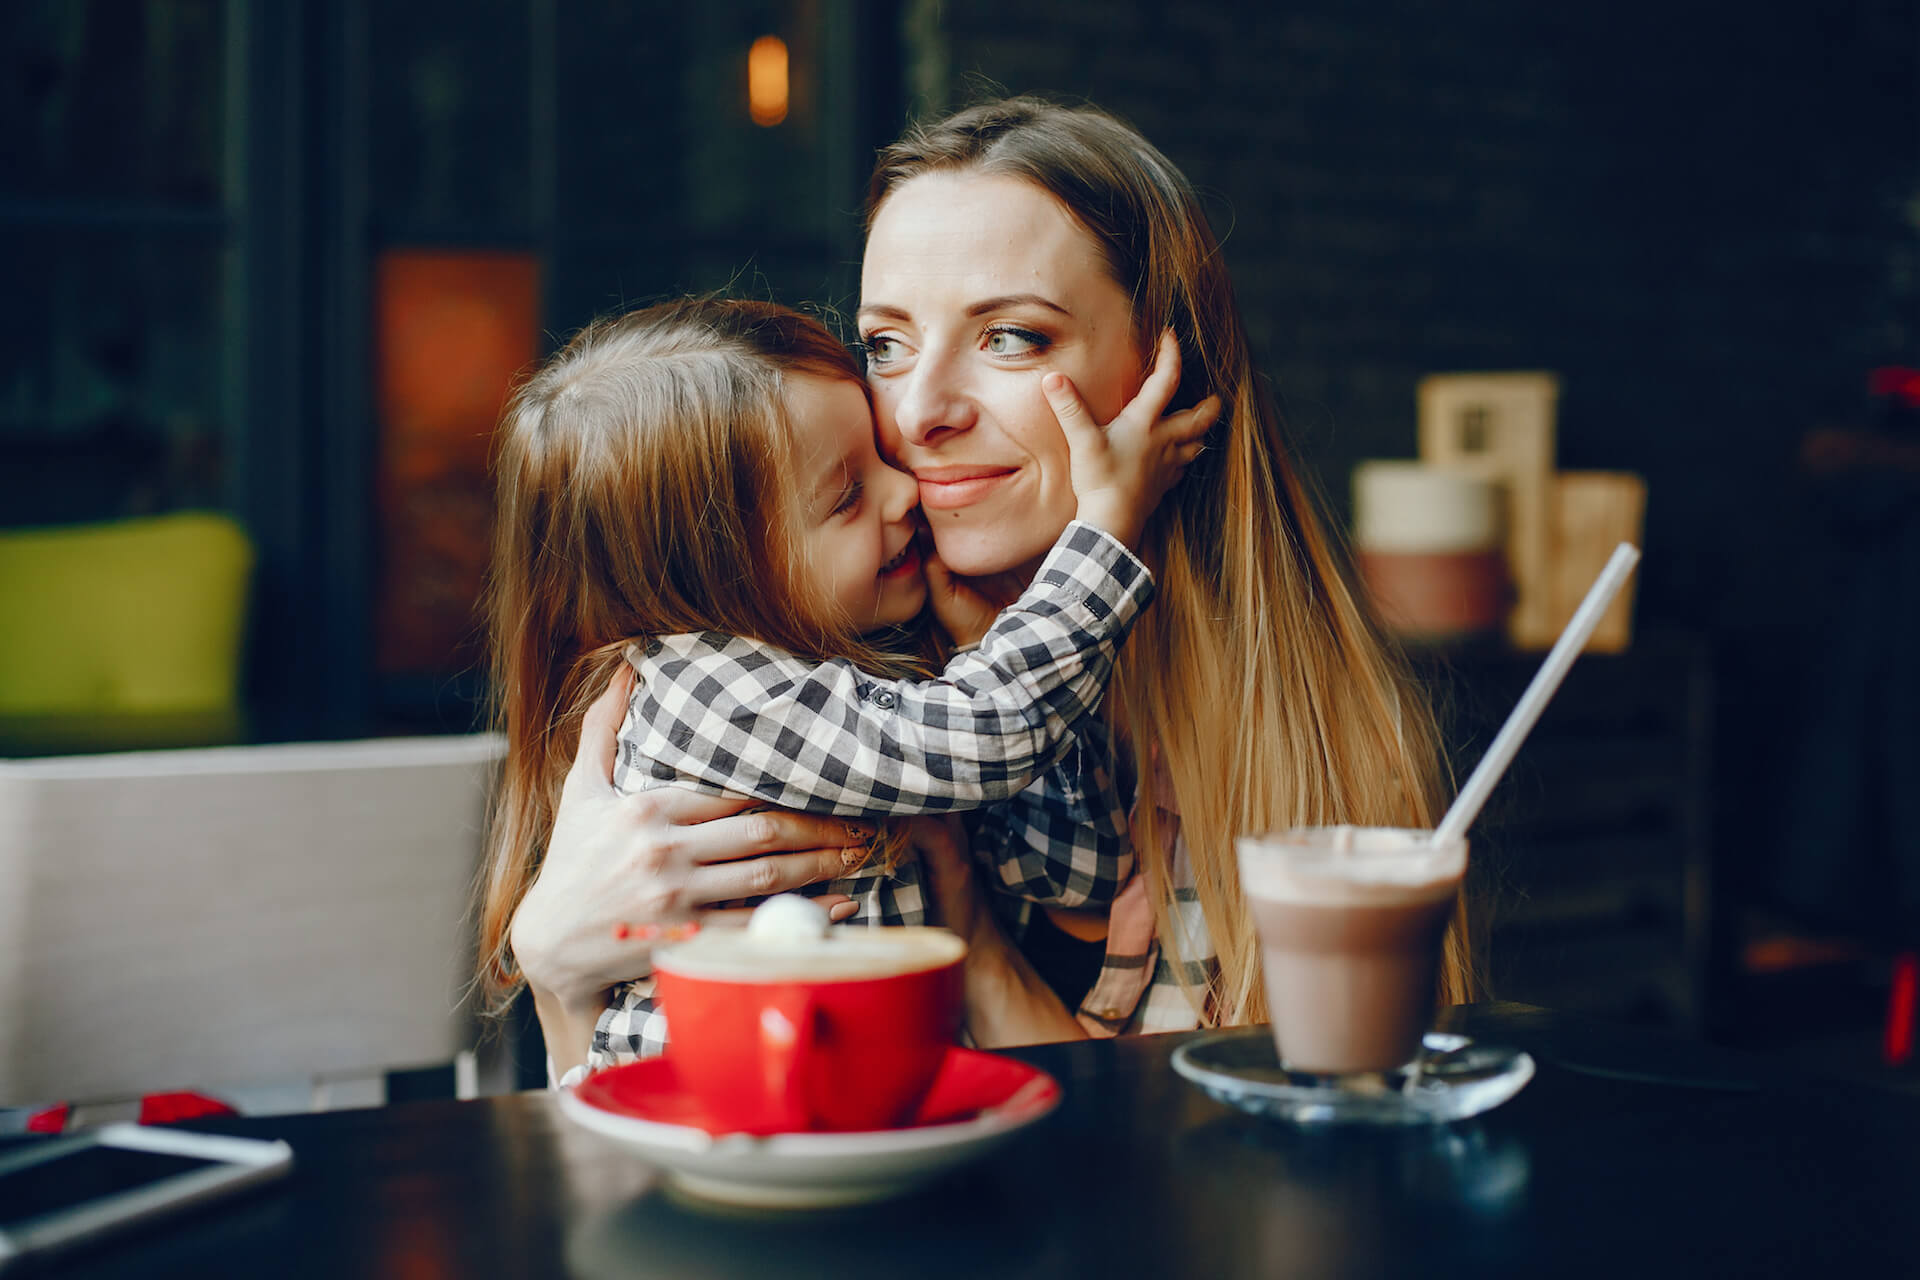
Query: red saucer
pixel 970 1083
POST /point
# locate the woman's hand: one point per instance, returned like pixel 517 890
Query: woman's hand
pixel 644 861
pixel 1121 470
pixel 1007 1003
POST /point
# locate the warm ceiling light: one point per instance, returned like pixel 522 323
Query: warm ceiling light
pixel 767 81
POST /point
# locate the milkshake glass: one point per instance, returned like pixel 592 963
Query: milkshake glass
pixel 1350 921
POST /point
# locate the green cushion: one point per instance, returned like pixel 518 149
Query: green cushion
pixel 134 616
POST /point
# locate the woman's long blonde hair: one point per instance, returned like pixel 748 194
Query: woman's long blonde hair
pixel 1258 677
pixel 644 485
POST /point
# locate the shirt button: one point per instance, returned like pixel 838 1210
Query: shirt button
pixel 884 699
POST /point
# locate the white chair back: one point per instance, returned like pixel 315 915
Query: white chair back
pixel 187 919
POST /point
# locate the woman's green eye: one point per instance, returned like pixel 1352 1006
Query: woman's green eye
pixel 1014 342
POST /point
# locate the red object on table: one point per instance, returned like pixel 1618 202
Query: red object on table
pixel 167 1108
pixel 799 1056
pixel 155 1108
pixel 51 1120
pixel 1900 1008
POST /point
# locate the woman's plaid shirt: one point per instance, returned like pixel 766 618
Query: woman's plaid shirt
pixel 1008 724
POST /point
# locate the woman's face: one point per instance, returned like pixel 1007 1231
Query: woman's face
pixel 973 287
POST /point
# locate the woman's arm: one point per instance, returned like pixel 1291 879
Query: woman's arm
pixel 1007 1003
pixel 660 857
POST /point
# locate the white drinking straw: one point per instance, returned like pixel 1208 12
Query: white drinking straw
pixel 1546 681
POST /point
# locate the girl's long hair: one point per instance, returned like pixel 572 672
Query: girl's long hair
pixel 1258 678
pixel 644 485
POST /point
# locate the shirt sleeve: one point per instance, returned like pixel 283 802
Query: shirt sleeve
pixel 1063 841
pixel 630 1028
pixel 735 715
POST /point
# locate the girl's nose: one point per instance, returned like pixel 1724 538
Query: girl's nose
pixel 899 495
pixel 931 403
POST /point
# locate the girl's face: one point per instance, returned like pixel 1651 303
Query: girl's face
pixel 856 512
pixel 974 286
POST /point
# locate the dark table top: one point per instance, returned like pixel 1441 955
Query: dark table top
pixel 1629 1154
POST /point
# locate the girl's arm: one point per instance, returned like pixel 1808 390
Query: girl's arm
pixel 1062 842
pixel 735 715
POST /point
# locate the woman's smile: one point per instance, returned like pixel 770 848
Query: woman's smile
pixel 949 488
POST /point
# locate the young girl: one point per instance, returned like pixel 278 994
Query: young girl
pixel 694 489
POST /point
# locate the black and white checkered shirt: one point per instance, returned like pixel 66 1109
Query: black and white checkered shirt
pixel 1008 725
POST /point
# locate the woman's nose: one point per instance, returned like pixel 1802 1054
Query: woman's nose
pixel 931 403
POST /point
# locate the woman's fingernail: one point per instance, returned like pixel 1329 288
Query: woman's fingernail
pixel 1054 382
pixel 842 912
pixel 853 857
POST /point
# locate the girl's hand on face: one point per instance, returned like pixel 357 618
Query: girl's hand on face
pixel 620 870
pixel 963 611
pixel 1121 470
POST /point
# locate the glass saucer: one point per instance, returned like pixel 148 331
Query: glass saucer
pixel 1453 1078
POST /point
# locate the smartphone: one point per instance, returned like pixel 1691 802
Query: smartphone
pixel 59 1192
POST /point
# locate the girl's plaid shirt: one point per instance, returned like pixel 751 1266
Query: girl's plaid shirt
pixel 1008 724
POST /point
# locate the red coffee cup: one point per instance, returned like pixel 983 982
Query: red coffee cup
pixel 842 1034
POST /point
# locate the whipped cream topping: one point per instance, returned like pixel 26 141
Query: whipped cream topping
pixel 1349 865
pixel 788 918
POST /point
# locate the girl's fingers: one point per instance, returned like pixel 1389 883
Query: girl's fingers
pixel 1068 407
pixel 1161 382
pixel 1193 424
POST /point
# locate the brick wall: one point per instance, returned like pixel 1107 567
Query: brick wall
pixel 1708 225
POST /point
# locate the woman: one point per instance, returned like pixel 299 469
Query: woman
pixel 1010 240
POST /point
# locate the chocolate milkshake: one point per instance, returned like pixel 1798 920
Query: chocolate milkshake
pixel 1350 921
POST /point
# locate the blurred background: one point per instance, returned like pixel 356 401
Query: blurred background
pixel 281 260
